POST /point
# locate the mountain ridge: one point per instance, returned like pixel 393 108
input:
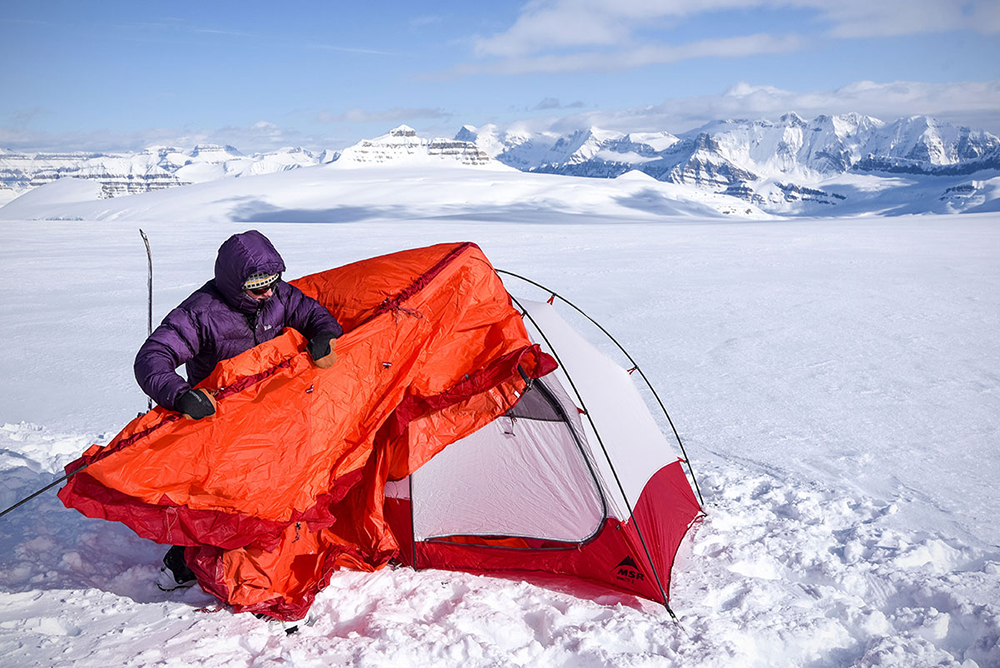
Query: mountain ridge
pixel 791 166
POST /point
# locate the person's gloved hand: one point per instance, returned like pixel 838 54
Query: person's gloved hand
pixel 320 347
pixel 196 404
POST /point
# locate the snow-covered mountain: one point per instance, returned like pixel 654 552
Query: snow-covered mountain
pixel 790 166
pixel 402 145
pixel 154 168
pixel 831 165
pixel 791 146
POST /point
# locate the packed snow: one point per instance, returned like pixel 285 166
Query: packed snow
pixel 834 381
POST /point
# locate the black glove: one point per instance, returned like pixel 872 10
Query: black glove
pixel 195 404
pixel 319 345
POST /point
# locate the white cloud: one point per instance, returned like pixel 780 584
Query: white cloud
pixel 577 35
pixel 631 57
pixel 259 137
pixel 889 18
pixel 973 104
pixel 543 26
pixel 549 103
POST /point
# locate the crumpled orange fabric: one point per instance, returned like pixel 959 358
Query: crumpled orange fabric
pixel 285 484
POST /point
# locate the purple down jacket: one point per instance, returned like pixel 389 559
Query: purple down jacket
pixel 220 320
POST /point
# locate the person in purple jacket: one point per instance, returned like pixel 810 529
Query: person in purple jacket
pixel 246 304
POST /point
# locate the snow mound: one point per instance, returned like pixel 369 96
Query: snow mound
pixel 58 192
pixel 400 178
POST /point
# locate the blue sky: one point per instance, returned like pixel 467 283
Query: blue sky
pixel 124 75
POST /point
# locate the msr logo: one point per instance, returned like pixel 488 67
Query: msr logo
pixel 628 570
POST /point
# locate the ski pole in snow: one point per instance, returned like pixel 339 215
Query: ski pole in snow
pixel 149 324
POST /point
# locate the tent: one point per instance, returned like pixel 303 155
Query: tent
pixel 575 479
pixel 303 471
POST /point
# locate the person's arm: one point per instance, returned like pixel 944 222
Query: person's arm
pixel 170 345
pixel 316 323
pixel 308 316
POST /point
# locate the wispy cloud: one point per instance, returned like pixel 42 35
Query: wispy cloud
pixel 549 103
pixel 970 103
pixel 21 118
pixel 418 22
pixel 394 115
pixel 961 102
pixel 259 137
pixel 213 31
pixel 631 57
pixel 595 35
pixel 888 18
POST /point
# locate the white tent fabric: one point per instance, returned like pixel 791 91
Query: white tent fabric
pixel 530 478
pixel 522 478
pixel 628 432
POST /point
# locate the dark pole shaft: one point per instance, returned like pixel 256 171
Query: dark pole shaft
pixel 149 323
pixel 43 489
pixel 634 364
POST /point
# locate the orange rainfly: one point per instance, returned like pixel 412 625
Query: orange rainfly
pixel 285 484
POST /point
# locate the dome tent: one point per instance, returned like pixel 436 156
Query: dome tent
pixel 287 482
pixel 575 479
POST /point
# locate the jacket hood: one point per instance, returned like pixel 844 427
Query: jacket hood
pixel 240 256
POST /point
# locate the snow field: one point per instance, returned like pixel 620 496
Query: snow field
pixel 779 573
pixel 834 382
pixel 848 589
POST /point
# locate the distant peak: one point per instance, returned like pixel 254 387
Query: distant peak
pixel 467 133
pixel 214 148
pixel 791 118
pixel 402 131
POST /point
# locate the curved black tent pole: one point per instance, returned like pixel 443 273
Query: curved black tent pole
pixel 600 441
pixel 43 489
pixel 634 365
pixel 149 322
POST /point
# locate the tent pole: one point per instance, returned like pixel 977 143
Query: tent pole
pixel 413 527
pixel 600 441
pixel 149 322
pixel 43 489
pixel 635 365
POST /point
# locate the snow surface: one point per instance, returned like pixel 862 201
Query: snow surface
pixel 835 382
